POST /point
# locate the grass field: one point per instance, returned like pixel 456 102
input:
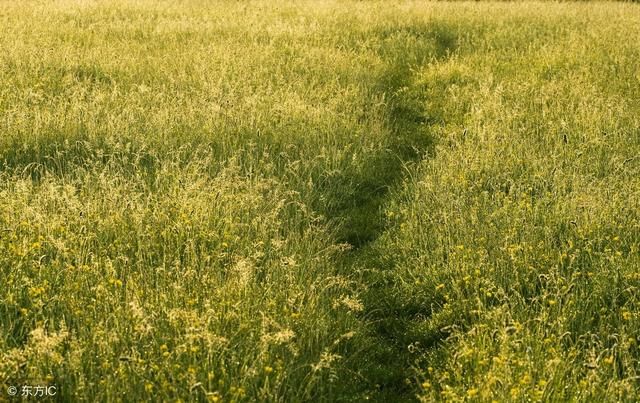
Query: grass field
pixel 320 201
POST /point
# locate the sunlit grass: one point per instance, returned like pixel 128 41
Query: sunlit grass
pixel 320 201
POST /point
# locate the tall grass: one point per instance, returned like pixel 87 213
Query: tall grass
pixel 330 201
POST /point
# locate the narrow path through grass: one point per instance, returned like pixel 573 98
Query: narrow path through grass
pixel 383 366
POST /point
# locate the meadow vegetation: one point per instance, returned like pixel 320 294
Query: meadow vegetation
pixel 320 201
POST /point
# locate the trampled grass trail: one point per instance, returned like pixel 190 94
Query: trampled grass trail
pixel 379 355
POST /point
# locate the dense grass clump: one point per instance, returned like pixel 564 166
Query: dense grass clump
pixel 320 201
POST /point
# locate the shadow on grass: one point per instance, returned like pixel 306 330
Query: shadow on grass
pixel 358 197
pixel 383 365
pixel 359 194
